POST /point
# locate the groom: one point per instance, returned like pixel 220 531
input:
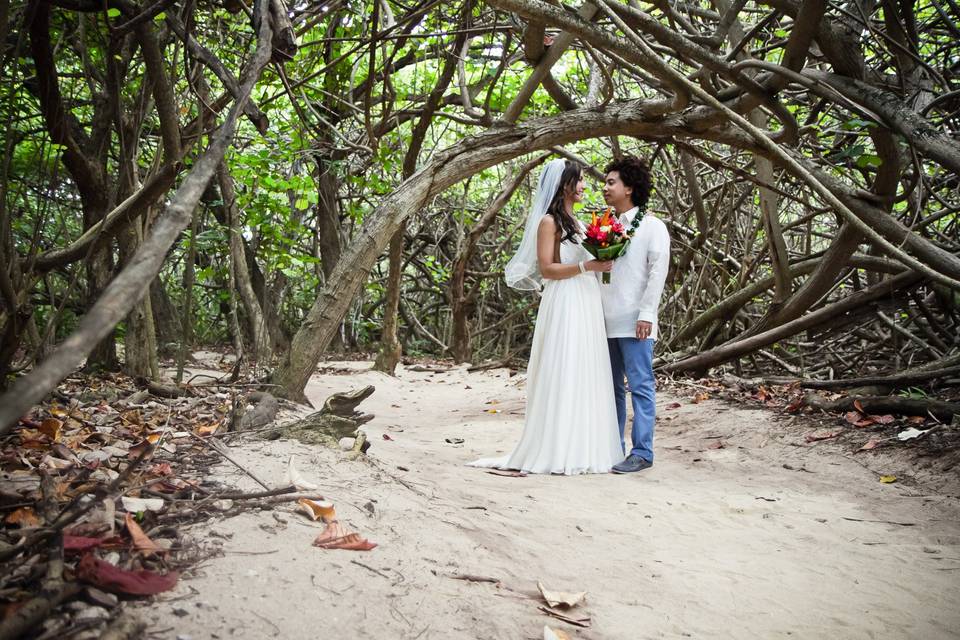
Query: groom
pixel 630 304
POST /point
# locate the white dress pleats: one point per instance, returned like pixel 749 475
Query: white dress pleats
pixel 571 419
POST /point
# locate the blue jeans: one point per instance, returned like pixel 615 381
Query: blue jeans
pixel 634 358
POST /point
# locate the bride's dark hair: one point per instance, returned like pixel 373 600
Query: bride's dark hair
pixel 569 230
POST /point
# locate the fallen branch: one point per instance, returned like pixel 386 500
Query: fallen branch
pixel 943 411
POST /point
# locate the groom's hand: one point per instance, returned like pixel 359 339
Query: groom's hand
pixel 643 329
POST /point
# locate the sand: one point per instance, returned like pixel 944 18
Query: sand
pixel 764 537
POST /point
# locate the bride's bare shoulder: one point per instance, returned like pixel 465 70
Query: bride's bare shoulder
pixel 548 224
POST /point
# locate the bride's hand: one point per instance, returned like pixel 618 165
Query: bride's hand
pixel 600 266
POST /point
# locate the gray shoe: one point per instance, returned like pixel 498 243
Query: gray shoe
pixel 631 464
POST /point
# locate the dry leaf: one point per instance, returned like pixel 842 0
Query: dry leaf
pixel 294 477
pixel 673 405
pixel 387 437
pixel 871 444
pixel 916 419
pixel 561 598
pixel 141 542
pixel 858 420
pixel 24 517
pixel 700 397
pixel 207 429
pixel 554 634
pixel 51 428
pixel 111 578
pixel 318 509
pixel 858 406
pixel 888 479
pixel 910 434
pixel 884 419
pixel 718 444
pixel 334 536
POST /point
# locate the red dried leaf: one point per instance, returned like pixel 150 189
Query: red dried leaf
pixel 161 469
pixel 106 576
pixel 884 419
pixel 79 544
pixel 673 405
pixel 872 444
pixel 858 406
pixel 794 406
pixel 387 437
pixel 335 536
pixel 858 420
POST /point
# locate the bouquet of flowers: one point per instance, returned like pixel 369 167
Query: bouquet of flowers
pixel 606 238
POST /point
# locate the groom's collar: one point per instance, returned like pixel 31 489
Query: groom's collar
pixel 628 214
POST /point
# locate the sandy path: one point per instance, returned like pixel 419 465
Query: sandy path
pixel 709 543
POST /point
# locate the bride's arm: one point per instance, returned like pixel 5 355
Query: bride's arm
pixel 550 266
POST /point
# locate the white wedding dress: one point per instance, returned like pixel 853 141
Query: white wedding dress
pixel 571 419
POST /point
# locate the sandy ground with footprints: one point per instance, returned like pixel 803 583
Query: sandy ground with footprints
pixel 762 537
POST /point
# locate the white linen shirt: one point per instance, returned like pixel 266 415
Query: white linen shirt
pixel 637 279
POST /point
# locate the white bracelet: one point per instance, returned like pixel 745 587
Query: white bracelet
pixel 583 269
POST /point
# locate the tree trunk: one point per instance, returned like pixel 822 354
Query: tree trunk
pixel 389 356
pixel 166 320
pixel 260 334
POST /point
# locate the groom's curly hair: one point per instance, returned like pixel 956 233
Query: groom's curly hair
pixel 634 173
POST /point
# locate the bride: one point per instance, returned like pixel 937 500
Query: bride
pixel 571 420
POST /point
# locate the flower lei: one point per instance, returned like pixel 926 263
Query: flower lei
pixel 637 219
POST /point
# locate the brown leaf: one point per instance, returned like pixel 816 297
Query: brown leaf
pixel 141 542
pixel 24 517
pixel 700 397
pixel 717 444
pixel 387 437
pixel 318 509
pixel 673 405
pixel 51 428
pixel 858 406
pixel 871 444
pixel 917 419
pixel 884 419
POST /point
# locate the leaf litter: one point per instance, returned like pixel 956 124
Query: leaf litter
pixel 98 486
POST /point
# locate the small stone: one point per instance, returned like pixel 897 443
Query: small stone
pixel 347 443
pixel 101 598
pixel 180 612
pixel 90 614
